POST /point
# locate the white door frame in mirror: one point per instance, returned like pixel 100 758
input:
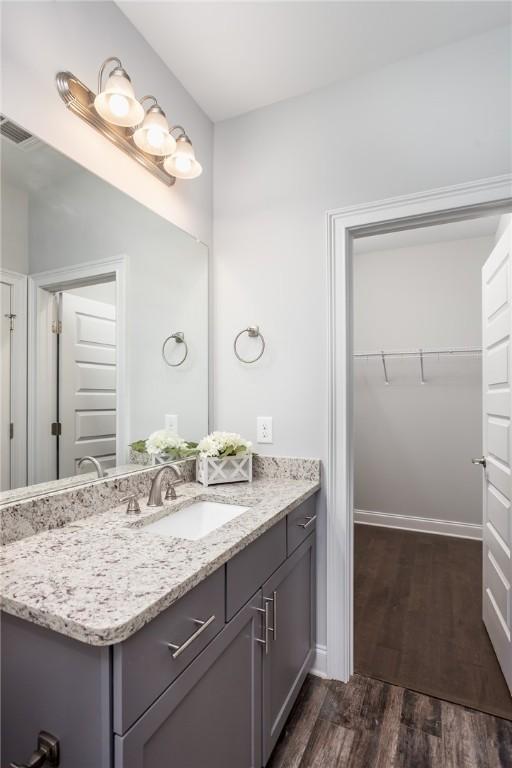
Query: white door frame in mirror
pixel 436 206
pixel 42 357
pixel 18 377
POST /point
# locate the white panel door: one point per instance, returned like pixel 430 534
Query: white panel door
pixel 87 383
pixel 5 386
pixel 497 407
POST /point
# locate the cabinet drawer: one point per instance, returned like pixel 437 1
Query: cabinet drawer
pixel 246 572
pixel 210 717
pixel 144 665
pixel 300 523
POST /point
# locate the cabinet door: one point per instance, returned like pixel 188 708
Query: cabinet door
pixel 211 714
pixel 290 593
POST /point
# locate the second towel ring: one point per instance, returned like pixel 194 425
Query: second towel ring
pixel 253 331
pixel 179 338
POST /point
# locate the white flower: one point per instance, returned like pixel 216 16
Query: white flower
pixel 163 441
pixel 223 444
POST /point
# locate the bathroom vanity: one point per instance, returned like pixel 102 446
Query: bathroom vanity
pixel 139 650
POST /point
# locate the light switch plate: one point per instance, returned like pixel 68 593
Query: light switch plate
pixel 171 423
pixel 264 429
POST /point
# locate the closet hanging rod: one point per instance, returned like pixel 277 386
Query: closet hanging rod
pixel 470 351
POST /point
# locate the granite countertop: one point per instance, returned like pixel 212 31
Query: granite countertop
pixel 102 578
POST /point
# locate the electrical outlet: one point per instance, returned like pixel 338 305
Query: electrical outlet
pixel 264 429
pixel 171 423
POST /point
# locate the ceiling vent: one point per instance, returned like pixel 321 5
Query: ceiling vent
pixel 19 136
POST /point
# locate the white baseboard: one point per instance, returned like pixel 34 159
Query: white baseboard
pixel 320 664
pixel 420 524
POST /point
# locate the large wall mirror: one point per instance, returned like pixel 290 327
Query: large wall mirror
pixel 92 285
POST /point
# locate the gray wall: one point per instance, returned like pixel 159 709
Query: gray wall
pixel 436 119
pixel 414 442
pixel 14 227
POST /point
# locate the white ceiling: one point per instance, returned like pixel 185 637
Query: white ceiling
pixel 233 57
pixel 485 226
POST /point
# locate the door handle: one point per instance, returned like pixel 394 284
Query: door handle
pixel 482 461
pixel 47 754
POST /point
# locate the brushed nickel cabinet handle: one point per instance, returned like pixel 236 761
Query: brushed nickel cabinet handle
pixel 265 641
pixel 310 521
pixel 178 649
pixel 273 600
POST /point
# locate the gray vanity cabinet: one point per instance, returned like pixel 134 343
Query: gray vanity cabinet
pixel 290 595
pixel 211 715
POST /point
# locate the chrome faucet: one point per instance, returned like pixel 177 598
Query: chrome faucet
pixel 99 468
pixel 155 494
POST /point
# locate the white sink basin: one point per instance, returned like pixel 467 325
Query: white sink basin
pixel 196 520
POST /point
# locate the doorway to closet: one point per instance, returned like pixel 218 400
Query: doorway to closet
pixel 417 425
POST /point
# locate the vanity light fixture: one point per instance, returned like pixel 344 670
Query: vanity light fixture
pixel 119 116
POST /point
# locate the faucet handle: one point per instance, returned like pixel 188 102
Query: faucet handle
pixel 133 504
pixel 170 494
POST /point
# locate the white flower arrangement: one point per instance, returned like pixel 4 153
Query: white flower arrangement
pixel 223 444
pixel 163 441
pixel 224 457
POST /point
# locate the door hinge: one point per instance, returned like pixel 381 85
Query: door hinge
pixel 11 320
pixel 11 430
pixel 56 326
pixel 56 428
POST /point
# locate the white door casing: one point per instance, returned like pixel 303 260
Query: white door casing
pixel 5 385
pixel 435 206
pixel 13 382
pixel 497 449
pixel 87 383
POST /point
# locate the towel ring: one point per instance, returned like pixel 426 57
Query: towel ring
pixel 179 338
pixel 253 331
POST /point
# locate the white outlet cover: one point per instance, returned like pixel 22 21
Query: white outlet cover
pixel 171 423
pixel 264 429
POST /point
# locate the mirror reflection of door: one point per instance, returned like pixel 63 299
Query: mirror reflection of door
pixel 87 378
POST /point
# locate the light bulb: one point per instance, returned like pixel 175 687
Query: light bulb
pixel 118 105
pixel 183 163
pixel 155 137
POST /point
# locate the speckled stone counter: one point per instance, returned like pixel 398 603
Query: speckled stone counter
pixel 101 578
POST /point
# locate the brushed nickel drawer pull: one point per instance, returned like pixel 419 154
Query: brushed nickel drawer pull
pixel 178 649
pixel 310 521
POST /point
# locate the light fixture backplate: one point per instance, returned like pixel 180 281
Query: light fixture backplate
pixel 80 100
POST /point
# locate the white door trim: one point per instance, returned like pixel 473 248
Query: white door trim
pixel 18 378
pixel 435 206
pixel 38 386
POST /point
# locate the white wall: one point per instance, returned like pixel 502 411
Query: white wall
pixel 14 226
pixel 437 119
pixel 41 38
pixel 414 442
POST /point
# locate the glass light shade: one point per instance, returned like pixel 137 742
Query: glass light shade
pixel 183 163
pixel 153 135
pixel 117 103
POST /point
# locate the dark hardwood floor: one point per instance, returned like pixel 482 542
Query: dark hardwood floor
pixel 370 724
pixel 418 617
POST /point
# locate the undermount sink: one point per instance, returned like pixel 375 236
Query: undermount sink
pixel 196 520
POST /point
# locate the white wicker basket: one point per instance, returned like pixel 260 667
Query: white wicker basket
pixel 232 469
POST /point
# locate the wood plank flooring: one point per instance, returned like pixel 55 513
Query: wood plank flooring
pixel 418 617
pixel 370 724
